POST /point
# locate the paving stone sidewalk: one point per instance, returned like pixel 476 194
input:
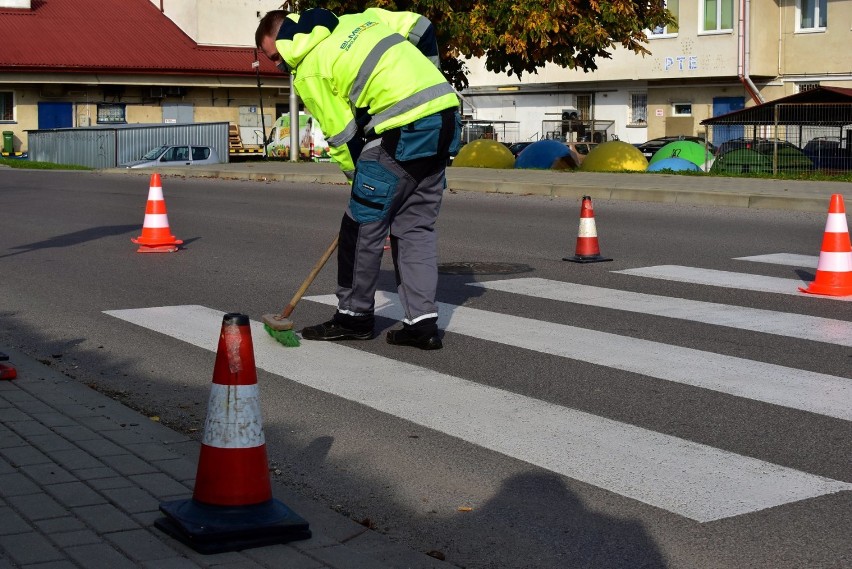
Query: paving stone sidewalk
pixel 82 477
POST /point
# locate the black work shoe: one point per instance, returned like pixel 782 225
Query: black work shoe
pixel 333 330
pixel 421 335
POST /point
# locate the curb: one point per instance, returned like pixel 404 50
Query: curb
pixel 806 197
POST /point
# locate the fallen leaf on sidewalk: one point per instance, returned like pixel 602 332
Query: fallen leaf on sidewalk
pixel 465 509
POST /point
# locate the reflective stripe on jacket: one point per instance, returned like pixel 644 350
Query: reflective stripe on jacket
pixel 360 65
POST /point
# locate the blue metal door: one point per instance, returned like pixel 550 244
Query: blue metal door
pixel 722 106
pixel 55 115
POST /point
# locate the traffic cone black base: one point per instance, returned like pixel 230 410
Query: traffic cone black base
pixel 578 259
pixel 215 529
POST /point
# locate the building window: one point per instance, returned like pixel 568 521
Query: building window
pixel 112 113
pixel 681 109
pixel 638 109
pixel 813 15
pixel 584 107
pixel 671 6
pixel 7 106
pixel 718 15
pixel 802 87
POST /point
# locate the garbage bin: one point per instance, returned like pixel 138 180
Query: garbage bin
pixel 8 141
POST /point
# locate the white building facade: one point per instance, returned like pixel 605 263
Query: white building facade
pixel 722 55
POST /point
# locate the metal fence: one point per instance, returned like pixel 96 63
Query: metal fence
pixel 578 130
pixel 786 137
pixel 107 147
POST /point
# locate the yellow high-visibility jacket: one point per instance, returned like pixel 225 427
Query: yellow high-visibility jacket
pixel 378 66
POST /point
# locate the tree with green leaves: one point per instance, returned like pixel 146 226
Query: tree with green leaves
pixel 520 36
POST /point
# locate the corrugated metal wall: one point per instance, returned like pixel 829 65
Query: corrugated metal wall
pixel 107 147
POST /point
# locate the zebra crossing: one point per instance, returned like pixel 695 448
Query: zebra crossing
pixel 693 480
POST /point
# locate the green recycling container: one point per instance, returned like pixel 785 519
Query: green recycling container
pixel 8 140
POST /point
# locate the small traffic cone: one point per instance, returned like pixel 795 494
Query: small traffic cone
pixel 7 371
pixel 588 250
pixel 156 236
pixel 834 270
pixel 232 507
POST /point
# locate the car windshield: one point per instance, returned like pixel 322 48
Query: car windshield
pixel 155 153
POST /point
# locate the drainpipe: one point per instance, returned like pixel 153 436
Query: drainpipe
pixel 743 54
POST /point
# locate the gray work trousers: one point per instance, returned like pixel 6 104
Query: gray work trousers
pixel 388 199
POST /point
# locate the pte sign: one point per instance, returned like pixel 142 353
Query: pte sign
pixel 681 63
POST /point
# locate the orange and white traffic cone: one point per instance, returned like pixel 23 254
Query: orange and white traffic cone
pixel 156 236
pixel 7 371
pixel 588 250
pixel 232 507
pixel 834 270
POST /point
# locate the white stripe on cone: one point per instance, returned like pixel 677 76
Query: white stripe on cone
pixel 836 223
pixel 233 417
pixel 155 193
pixel 587 227
pixel 835 262
pixel 156 220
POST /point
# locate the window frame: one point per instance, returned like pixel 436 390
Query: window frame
pixel 13 115
pixel 667 32
pixel 703 30
pixel 632 120
pixel 107 107
pixel 675 105
pixel 817 15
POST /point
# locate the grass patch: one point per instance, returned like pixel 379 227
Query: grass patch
pixel 30 165
pixel 804 176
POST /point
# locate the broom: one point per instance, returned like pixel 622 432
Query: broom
pixel 279 326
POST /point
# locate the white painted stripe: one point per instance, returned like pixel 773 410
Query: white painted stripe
pixel 587 227
pixel 740 317
pixel 233 417
pixel 788 259
pixel 693 480
pixel 835 262
pixel 797 389
pixel 836 223
pixel 156 220
pixel 155 193
pixel 727 279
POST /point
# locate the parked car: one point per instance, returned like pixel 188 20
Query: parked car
pixel 790 157
pixel 650 147
pixel 176 155
pixel 762 145
pixel 580 149
pixel 828 153
pixel 517 147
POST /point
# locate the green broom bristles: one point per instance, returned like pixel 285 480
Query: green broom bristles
pixel 284 337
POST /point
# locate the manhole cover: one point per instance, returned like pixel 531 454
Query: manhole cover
pixel 476 268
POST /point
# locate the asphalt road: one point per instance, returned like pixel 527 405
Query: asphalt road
pixel 482 498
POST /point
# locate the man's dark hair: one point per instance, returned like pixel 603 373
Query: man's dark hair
pixel 269 25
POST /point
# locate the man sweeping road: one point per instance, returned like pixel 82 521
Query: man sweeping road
pixel 391 120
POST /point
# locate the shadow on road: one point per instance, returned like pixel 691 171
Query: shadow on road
pixel 539 506
pixel 74 238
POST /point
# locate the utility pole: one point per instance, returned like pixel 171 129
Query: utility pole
pixel 256 65
pixel 290 6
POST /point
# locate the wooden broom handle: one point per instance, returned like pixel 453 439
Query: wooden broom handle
pixel 288 310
